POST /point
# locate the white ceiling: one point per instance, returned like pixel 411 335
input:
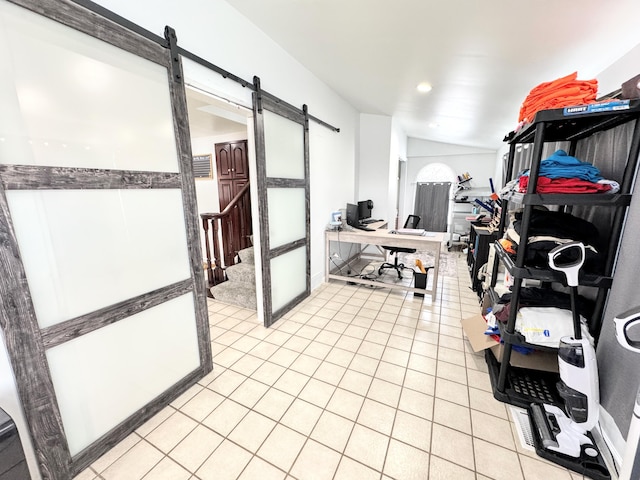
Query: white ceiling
pixel 209 115
pixel 481 56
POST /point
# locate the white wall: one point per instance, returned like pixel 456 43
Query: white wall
pixel 620 71
pixel 479 163
pixel 221 35
pixel 374 163
pixel 398 154
pixel 382 144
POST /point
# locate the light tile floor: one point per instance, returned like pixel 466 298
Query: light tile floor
pixel 355 383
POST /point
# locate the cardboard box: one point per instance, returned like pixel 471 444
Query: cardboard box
pixel 474 327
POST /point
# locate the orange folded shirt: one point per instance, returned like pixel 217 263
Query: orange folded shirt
pixel 562 92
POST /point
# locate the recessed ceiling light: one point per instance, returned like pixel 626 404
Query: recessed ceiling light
pixel 424 87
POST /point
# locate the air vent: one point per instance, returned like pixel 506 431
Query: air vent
pixel 202 166
pixel 523 426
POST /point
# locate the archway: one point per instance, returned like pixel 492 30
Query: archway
pixel 433 195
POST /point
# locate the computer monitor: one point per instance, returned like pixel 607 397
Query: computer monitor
pixel 352 214
pixel 364 209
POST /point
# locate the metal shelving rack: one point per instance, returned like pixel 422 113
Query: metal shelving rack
pixel 519 386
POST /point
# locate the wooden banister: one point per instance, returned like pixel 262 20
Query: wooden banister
pixel 228 231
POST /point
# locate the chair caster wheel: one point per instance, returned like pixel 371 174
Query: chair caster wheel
pixel 380 271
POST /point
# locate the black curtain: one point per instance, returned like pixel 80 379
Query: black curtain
pixel 432 205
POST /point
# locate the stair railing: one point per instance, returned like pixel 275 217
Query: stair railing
pixel 219 229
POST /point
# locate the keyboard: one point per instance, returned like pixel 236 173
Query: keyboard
pixel 367 221
pixel 366 229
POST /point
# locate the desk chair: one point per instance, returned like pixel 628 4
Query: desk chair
pixel 411 222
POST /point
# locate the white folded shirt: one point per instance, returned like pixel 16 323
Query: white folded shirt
pixel 545 326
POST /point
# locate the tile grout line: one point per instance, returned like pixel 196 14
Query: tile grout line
pixel 311 376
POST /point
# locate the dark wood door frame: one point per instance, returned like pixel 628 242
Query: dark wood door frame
pixel 232 167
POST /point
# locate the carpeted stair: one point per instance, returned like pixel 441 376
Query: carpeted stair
pixel 240 289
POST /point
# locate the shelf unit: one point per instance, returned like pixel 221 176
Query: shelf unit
pixel 480 240
pixel 552 126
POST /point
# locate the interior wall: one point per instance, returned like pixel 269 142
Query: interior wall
pixel 375 164
pixel 398 154
pixel 224 37
pixel 479 163
pixel 621 70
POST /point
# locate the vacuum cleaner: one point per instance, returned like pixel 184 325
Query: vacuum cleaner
pixel 562 435
pixel 630 469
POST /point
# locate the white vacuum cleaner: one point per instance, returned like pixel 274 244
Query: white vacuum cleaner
pixel 630 469
pixel 562 436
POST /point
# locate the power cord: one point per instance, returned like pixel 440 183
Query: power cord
pixel 337 255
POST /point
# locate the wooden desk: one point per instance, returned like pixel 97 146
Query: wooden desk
pixel 432 241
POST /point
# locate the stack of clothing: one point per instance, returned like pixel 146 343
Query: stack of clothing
pixel 549 229
pixel 563 92
pixel 544 315
pixel 562 173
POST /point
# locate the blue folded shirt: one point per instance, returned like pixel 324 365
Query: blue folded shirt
pixel 562 165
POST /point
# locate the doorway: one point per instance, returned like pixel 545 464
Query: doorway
pixel 232 169
pixel 219 129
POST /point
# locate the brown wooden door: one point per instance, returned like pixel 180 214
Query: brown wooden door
pixel 239 162
pixel 232 166
pixel 223 161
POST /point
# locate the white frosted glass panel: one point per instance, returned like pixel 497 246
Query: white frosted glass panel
pixel 87 249
pixel 105 376
pixel 71 100
pixel 284 147
pixel 287 218
pixel 288 277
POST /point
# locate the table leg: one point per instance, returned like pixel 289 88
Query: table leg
pixel 326 259
pixel 436 268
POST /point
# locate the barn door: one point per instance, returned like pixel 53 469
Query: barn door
pixel 282 161
pixel 103 309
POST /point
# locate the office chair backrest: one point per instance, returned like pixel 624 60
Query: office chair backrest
pixel 412 221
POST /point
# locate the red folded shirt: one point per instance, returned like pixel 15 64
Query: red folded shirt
pixel 563 185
